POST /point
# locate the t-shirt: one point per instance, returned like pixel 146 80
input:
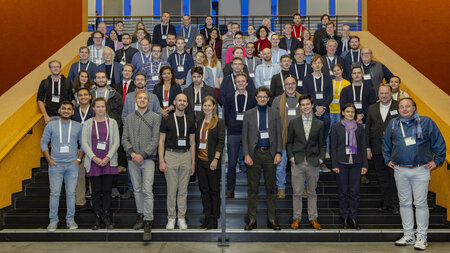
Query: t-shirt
pixel 169 128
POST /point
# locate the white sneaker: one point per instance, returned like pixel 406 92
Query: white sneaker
pixel 71 224
pixel 421 243
pixel 52 226
pixel 182 224
pixel 170 224
pixel 405 240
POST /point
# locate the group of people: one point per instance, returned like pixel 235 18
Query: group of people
pixel 283 99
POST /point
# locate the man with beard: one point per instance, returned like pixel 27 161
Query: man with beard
pixel 125 54
pixel 170 48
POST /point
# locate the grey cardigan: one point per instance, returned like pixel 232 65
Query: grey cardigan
pixel 86 142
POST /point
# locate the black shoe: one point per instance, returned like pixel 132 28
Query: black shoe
pixel 345 223
pixel 139 222
pixel 79 208
pixel 395 210
pixel 354 224
pixel 383 209
pixel 273 225
pixel 107 220
pixel 364 180
pixel 205 223
pixel 128 194
pixel 96 225
pixel 212 224
pixel 147 236
pixel 250 225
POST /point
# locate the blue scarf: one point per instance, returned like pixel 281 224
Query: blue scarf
pixel 417 127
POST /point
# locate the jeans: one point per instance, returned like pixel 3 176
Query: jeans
pixel 326 126
pixel 412 184
pixel 281 171
pixel 233 145
pixel 142 177
pixel 130 182
pixel 56 174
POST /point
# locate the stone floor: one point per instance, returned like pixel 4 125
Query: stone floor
pixel 195 247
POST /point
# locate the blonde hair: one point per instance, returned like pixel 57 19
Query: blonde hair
pixel 214 59
pixel 214 119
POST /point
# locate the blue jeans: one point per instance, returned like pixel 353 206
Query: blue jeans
pixel 142 177
pixel 281 171
pixel 412 185
pixel 233 146
pixel 326 128
pixel 56 174
pixel 130 183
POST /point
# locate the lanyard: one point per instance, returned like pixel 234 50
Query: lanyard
pixel 107 130
pixel 176 125
pixel 359 55
pixel 147 58
pixel 151 67
pixel 106 94
pixel 360 93
pixel 264 72
pixel 79 64
pixel 201 131
pixel 334 88
pixel 282 80
pixel 295 32
pixel 199 93
pixel 236 103
pixel 253 66
pixel 403 131
pixel 59 87
pixel 70 130
pixel 267 118
pixel 232 79
pixel 83 118
pixel 115 45
pixel 346 138
pixel 182 62
pixel 213 44
pixel 321 85
pixel 167 30
pixel 274 59
pixel 331 63
pixel 344 45
pixel 112 70
pixel 296 71
pixel 189 33
pixel 287 106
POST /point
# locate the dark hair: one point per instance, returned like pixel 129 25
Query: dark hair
pixel 113 30
pixel 323 16
pixel 157 45
pixel 337 65
pixel 296 14
pixel 399 80
pixel 171 34
pixel 238 33
pixel 209 35
pixel 236 59
pixel 94 32
pixel 100 71
pixel 120 21
pixel 97 99
pixel 263 89
pixel 172 81
pixel 77 83
pixel 67 103
pixel 126 34
pixel 141 74
pixel 356 65
pixel 306 96
pixel 259 29
pixel 408 98
pixel 83 88
pixel 198 70
pixel 242 74
pixel 355 37
pixel 347 106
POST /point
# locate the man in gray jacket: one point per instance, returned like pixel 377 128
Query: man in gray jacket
pixel 140 140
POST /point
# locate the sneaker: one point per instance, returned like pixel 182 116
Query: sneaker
pixel 128 194
pixel 327 156
pixel 115 193
pixel 281 194
pixel 170 224
pixel 405 240
pixel 52 226
pixel 71 224
pixel 421 243
pixel 147 236
pixel 324 168
pixel 182 224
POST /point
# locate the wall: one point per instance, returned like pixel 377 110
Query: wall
pixel 417 30
pixel 31 31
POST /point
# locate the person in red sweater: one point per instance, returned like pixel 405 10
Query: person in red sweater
pixel 263 40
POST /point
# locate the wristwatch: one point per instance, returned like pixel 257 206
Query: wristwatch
pixel 215 158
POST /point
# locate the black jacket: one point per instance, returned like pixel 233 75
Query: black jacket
pixel 338 148
pixel 175 89
pixel 375 127
pixel 189 92
pixel 129 53
pixel 119 87
pixel 216 139
pixel 294 45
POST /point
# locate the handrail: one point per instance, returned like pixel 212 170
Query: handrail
pixel 216 16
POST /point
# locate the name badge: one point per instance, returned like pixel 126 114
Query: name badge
pixel 358 105
pixel 164 37
pixel 182 142
pixel 319 95
pixel 202 145
pixel 394 112
pixel 155 78
pixel 292 112
pixel 165 103
pixel 335 100
pixel 264 135
pixel 198 108
pixel 410 141
pixel 300 83
pixel 367 77
pixel 240 116
pixel 186 40
pixel 289 52
pixel 347 151
pixel 251 75
pixel 109 82
pixel 267 83
pixel 55 98
pixel 64 148
pixel 123 61
pixel 180 68
pixel 101 145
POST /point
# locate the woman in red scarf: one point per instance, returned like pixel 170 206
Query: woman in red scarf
pixel 263 40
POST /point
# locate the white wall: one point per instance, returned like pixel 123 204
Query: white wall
pixel 317 7
pixel 259 7
pixel 141 8
pixel 346 7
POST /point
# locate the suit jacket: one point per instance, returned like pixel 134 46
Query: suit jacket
pixel 119 87
pixel 250 132
pixel 294 45
pixel 128 54
pixel 117 71
pixel 189 92
pixel 175 89
pixel 297 146
pixel 216 140
pixel 375 126
pixel 339 60
pixel 338 148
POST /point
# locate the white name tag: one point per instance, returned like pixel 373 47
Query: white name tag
pixel 292 112
pixel 251 75
pixel 240 116
pixel 155 78
pixel 186 40
pixel 109 82
pixel 123 61
pixel 367 77
pixel 300 83
pixel 335 100
pixel 165 103
pixel 198 108
pixel 55 98
pixel 267 83
pixel 180 68
pixel 289 52
pixel 101 145
pixel 394 112
pixel 202 145
pixel 347 151
pixel 164 37
pixel 358 105
pixel 319 95
pixel 182 142
pixel 410 141
pixel 265 135
pixel 331 72
pixel 64 148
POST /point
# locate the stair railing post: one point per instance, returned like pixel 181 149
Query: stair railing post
pixel 223 235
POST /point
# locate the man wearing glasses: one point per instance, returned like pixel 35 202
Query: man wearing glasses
pixel 152 67
pixel 96 49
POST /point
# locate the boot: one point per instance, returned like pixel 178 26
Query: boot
pixel 139 222
pixel 107 220
pixel 147 236
pixel 96 225
pixel 205 223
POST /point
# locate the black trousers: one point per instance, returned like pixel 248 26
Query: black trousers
pixel 101 192
pixel 209 184
pixel 386 179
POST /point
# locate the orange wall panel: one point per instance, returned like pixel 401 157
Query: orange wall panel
pixel 31 32
pixel 417 30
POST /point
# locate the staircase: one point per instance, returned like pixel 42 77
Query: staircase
pixel 27 218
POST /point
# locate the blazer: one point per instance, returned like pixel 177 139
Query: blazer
pixel 189 92
pixel 119 87
pixel 250 132
pixel 86 143
pixel 129 53
pixel 117 71
pixel 175 89
pixel 375 127
pixel 337 146
pixel 216 140
pixel 297 146
pixel 295 43
pixel 326 68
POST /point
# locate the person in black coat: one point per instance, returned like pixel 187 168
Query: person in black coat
pixel 196 92
pixel 210 141
pixel 161 31
pixel 294 43
pixel 349 162
pixel 166 82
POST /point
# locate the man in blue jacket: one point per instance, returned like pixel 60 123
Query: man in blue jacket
pixel 409 144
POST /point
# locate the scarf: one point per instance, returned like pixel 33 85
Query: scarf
pixel 350 128
pixel 283 116
pixel 417 130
